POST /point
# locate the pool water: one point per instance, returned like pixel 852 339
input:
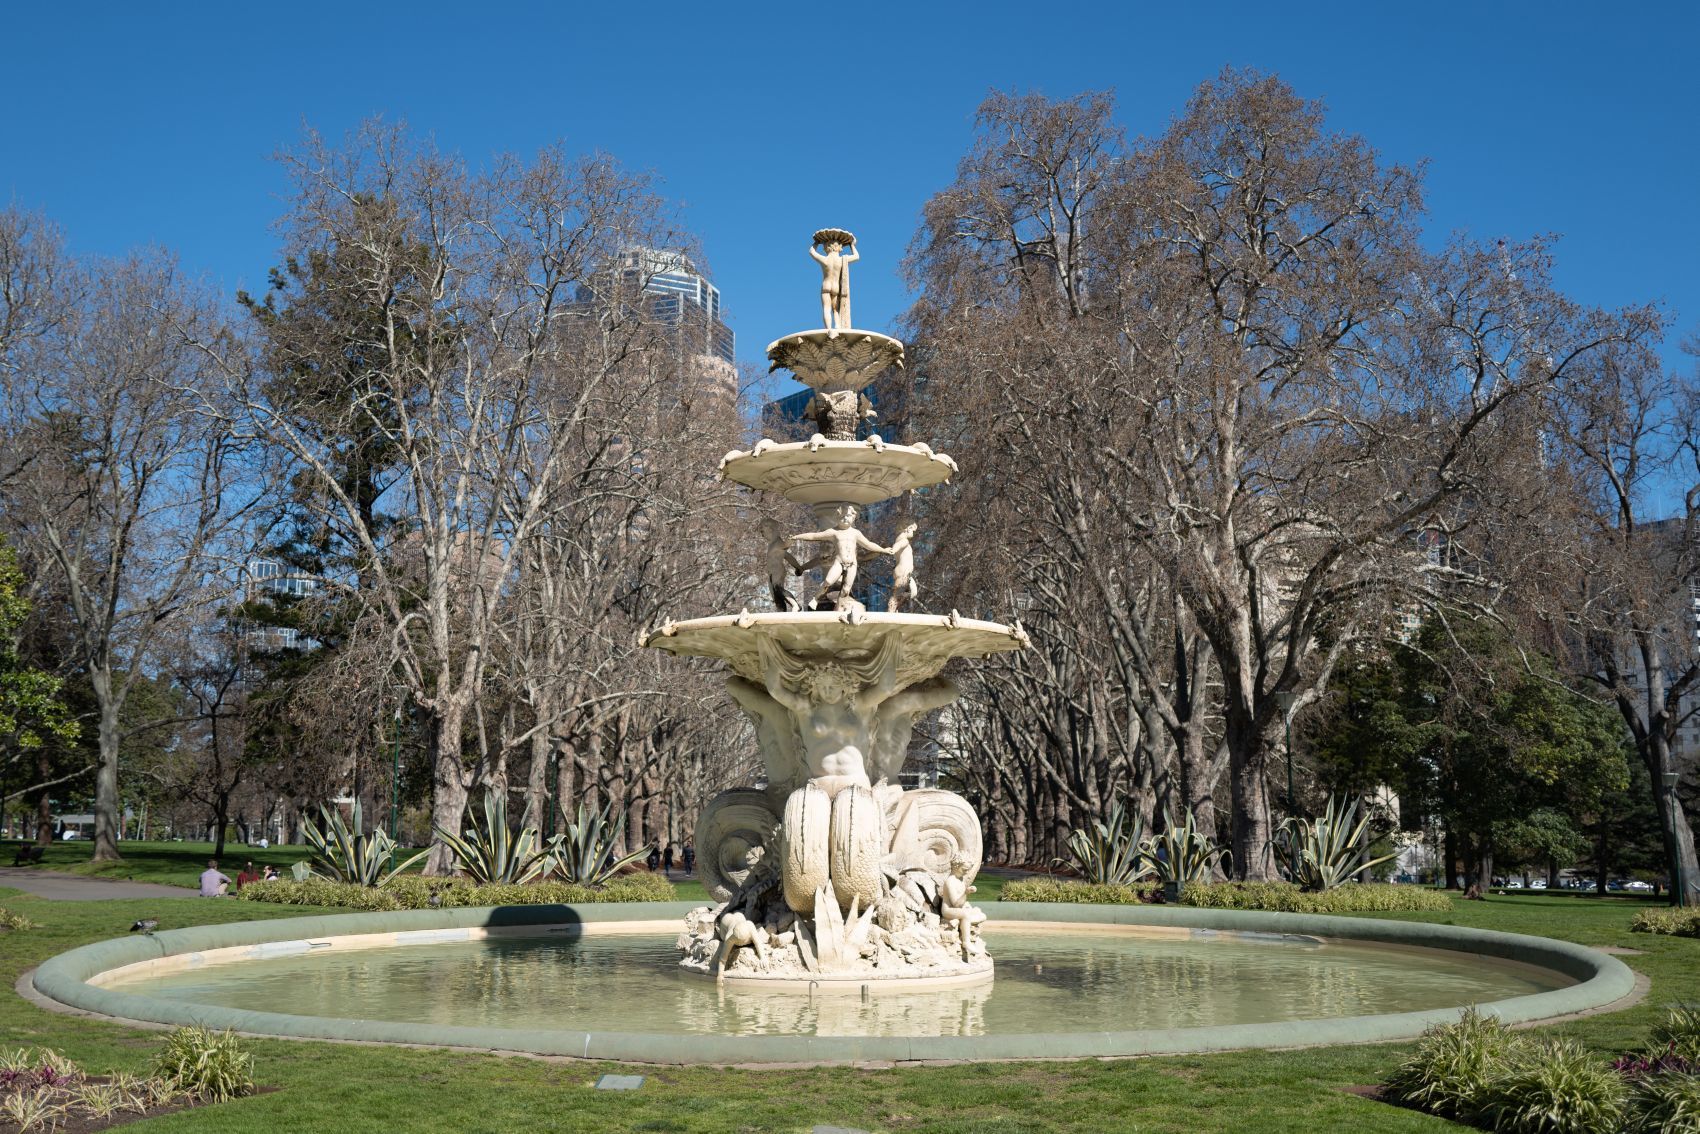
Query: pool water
pixel 1046 982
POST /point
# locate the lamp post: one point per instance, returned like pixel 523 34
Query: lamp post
pixel 1285 701
pixel 1679 881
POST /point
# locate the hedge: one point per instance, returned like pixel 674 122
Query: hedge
pixel 1284 897
pixel 412 892
pixel 1059 890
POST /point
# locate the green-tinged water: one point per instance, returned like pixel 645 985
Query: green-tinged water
pixel 1045 982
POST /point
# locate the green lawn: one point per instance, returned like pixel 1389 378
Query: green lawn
pixel 333 1087
pixel 170 864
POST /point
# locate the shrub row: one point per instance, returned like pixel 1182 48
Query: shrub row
pixel 1059 890
pixel 1672 922
pixel 1478 1071
pixel 1282 897
pixel 412 892
pixel 1285 897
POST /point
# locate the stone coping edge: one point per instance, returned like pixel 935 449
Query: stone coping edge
pixel 1601 980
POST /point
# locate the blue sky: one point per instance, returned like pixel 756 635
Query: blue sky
pixel 141 124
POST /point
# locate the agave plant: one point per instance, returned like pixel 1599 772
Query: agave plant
pixel 1182 853
pixel 344 854
pixel 585 853
pixel 1326 848
pixel 1112 850
pixel 490 853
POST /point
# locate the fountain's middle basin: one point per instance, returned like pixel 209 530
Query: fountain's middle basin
pixel 1111 981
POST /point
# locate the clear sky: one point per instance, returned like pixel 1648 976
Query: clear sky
pixel 153 123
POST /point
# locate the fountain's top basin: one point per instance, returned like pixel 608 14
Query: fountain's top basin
pixel 851 472
pixel 928 640
pixel 835 360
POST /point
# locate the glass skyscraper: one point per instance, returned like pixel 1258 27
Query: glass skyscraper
pixel 680 295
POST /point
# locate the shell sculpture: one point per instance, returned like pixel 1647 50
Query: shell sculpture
pixel 945 828
pixel 733 823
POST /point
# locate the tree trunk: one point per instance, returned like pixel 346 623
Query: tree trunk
pixel 537 783
pixel 565 803
pixel 44 802
pixel 106 775
pixel 1248 759
pixel 1680 859
pixel 1198 789
pixel 449 787
pixel 221 820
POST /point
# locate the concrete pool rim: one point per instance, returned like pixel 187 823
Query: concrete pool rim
pixel 66 979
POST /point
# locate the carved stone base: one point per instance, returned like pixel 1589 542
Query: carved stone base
pixel 890 946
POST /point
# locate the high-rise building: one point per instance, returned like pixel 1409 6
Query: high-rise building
pixel 271 582
pixel 680 295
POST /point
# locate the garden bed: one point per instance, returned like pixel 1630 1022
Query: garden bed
pixel 1277 897
pixel 412 892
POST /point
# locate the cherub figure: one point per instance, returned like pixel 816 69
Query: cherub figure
pixel 780 564
pixel 954 909
pixel 835 277
pixel 841 561
pixel 903 575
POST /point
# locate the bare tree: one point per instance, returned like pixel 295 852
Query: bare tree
pixel 488 324
pixel 1266 386
pixel 1631 543
pixel 209 667
pixel 120 487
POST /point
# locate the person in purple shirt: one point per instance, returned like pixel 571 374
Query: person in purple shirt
pixel 212 882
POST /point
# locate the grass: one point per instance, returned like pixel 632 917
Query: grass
pixel 335 1088
pixel 169 864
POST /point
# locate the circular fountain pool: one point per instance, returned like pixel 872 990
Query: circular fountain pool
pixel 605 982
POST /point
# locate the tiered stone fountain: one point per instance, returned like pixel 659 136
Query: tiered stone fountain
pixel 832 872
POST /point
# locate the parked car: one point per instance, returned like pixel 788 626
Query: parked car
pixel 1637 884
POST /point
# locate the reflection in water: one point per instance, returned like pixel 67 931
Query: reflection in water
pixel 1046 982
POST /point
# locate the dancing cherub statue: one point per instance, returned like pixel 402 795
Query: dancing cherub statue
pixel 835 276
pixel 840 560
pixel 780 564
pixel 903 574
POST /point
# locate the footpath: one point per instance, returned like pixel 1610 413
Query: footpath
pixel 76 888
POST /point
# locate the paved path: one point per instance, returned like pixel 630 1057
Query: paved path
pixel 77 888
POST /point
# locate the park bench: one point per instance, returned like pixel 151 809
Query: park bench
pixel 29 854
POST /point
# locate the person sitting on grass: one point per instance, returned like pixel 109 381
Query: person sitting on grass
pixel 248 874
pixel 213 884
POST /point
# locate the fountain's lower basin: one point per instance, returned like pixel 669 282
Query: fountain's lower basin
pixel 602 982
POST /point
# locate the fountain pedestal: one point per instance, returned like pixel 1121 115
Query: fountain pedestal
pixel 833 872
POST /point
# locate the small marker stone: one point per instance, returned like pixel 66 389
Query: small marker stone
pixel 619 1082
